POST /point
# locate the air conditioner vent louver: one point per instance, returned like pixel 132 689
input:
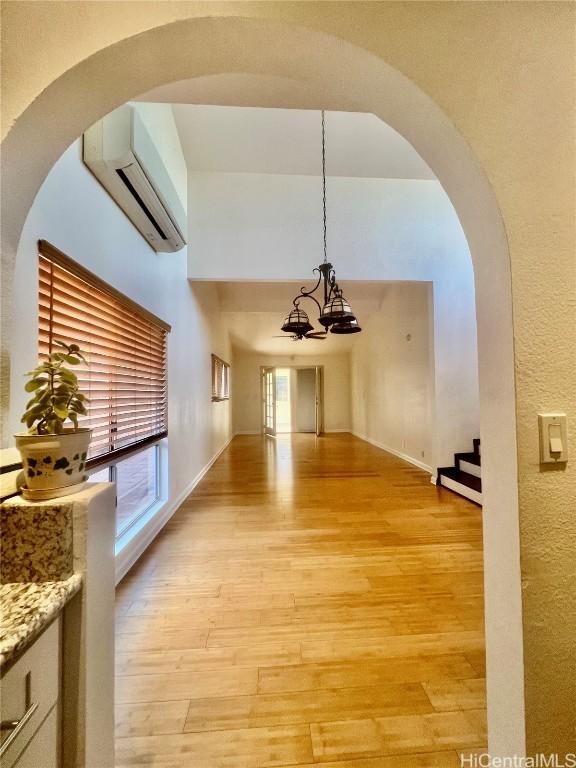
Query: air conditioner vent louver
pixel 120 153
pixel 141 203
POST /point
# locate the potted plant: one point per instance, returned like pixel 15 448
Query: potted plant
pixel 53 455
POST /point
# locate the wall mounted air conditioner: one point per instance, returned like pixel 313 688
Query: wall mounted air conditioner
pixel 120 153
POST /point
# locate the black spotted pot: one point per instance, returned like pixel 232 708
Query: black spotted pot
pixel 52 462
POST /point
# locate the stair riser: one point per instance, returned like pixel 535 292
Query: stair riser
pixel 462 490
pixel 472 469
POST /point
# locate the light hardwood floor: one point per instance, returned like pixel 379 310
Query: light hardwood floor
pixel 314 601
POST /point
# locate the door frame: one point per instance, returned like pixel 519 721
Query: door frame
pixel 319 395
pixel 265 371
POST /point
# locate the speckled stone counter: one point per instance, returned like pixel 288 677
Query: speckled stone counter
pixel 26 609
pixel 36 541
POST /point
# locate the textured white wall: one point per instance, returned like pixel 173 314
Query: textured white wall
pixel 392 376
pixel 498 156
pixel 74 213
pixel 246 393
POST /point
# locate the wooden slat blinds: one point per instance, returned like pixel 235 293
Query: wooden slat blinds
pixel 125 379
pixel 220 379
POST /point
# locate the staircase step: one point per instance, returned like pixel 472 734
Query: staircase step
pixel 463 483
pixel 476 444
pixel 468 462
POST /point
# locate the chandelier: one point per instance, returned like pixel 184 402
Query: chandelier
pixel 336 315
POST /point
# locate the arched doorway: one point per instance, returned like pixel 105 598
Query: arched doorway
pixel 331 73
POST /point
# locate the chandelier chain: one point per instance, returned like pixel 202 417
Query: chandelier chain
pixel 324 185
pixel 336 315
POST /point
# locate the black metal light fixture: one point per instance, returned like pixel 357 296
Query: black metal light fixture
pixel 336 314
pixel 297 322
pixel 348 326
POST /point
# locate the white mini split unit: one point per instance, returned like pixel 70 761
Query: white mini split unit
pixel 120 153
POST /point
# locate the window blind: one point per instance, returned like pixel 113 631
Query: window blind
pixel 220 379
pixel 125 379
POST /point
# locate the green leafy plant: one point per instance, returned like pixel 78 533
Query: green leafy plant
pixel 57 396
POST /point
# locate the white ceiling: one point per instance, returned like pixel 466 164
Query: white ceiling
pixel 288 141
pixel 254 312
pixel 259 332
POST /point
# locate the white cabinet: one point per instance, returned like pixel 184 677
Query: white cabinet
pixel 40 751
pixel 29 705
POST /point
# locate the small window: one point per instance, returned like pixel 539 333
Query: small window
pixel 136 487
pixel 220 379
pixel 137 481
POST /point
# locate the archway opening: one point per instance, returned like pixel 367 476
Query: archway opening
pixel 326 72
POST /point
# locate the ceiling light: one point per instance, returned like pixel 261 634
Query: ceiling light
pixel 335 310
pixel 297 322
pixel 348 326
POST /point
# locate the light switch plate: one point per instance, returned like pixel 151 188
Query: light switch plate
pixel 553 438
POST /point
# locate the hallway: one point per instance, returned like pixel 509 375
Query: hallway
pixel 312 601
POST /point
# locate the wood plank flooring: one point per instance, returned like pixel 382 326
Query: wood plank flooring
pixel 313 602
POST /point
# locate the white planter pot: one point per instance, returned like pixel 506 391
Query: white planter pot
pixel 51 462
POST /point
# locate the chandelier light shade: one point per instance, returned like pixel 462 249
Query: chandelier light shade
pixel 297 322
pixel 336 310
pixel 348 326
pixel 335 314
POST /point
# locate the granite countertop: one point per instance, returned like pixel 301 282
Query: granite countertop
pixel 26 608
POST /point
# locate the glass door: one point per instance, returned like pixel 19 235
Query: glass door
pixel 283 404
pixel 269 400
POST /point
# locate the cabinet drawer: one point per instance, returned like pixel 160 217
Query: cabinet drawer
pixel 30 689
pixel 43 750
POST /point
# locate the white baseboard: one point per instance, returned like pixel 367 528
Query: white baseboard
pixel 331 431
pixel 259 432
pixel 151 527
pixel 399 454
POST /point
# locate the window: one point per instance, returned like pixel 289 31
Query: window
pixel 126 378
pixel 137 479
pixel 220 379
